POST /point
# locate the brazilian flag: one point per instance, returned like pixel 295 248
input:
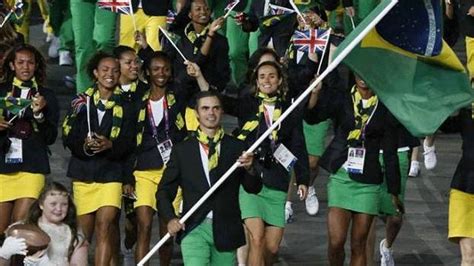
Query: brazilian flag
pixel 13 105
pixel 412 70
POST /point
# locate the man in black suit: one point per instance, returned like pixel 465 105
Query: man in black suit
pixel 214 231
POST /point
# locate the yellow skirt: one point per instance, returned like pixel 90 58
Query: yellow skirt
pixel 191 120
pixel 19 185
pixel 461 215
pixel 89 197
pixel 146 185
pixel 470 56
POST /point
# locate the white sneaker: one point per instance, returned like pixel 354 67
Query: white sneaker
pixel 53 50
pixel 386 255
pixel 312 202
pixel 430 156
pixel 65 58
pixel 288 212
pixel 414 169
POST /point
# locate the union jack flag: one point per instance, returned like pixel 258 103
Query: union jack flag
pixel 170 17
pixel 78 103
pixel 116 6
pixel 314 40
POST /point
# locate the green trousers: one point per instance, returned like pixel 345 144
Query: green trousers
pixel 241 46
pixel 61 22
pixel 362 9
pixel 198 248
pixel 94 29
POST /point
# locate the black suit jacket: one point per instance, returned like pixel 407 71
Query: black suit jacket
pixel 35 147
pixel 109 165
pixel 464 176
pixel 185 170
pixel 153 7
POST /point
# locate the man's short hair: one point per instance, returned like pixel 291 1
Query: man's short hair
pixel 205 94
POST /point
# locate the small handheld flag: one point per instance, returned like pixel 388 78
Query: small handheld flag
pixel 279 10
pixel 230 7
pixel 116 6
pixel 17 9
pixel 170 17
pixel 313 40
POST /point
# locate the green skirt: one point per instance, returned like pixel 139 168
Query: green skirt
pixel 386 205
pixel 315 137
pixel 345 193
pixel 269 205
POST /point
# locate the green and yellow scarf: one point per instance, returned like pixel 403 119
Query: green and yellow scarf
pixel 113 103
pixel 170 99
pixel 32 84
pixel 193 36
pixel 211 143
pixel 361 115
pixel 251 125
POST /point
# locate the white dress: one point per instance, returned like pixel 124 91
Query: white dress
pixel 59 246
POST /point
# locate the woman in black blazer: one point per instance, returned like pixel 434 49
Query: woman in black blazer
pixel 264 213
pixel 24 137
pixel 100 139
pixel 364 126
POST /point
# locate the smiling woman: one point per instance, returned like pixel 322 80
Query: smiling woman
pixel 99 132
pixel 264 213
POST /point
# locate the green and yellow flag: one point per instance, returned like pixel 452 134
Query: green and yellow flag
pixel 411 69
pixel 13 105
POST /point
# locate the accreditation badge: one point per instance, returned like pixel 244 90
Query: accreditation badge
pixel 15 153
pixel 355 160
pixel 165 148
pixel 285 157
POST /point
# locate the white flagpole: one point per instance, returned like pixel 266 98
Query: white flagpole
pixel 172 43
pixel 277 123
pixel 352 22
pixel 5 19
pixel 231 8
pixel 295 8
pixel 88 113
pixel 324 52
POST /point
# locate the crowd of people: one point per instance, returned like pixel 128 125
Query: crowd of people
pixel 145 133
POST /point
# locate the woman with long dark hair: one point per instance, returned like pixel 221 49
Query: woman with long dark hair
pixel 24 134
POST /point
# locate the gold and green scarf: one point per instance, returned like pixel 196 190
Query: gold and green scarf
pixel 211 143
pixel 194 37
pixel 361 115
pixel 251 125
pixel 113 103
pixel 32 84
pixel 170 99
